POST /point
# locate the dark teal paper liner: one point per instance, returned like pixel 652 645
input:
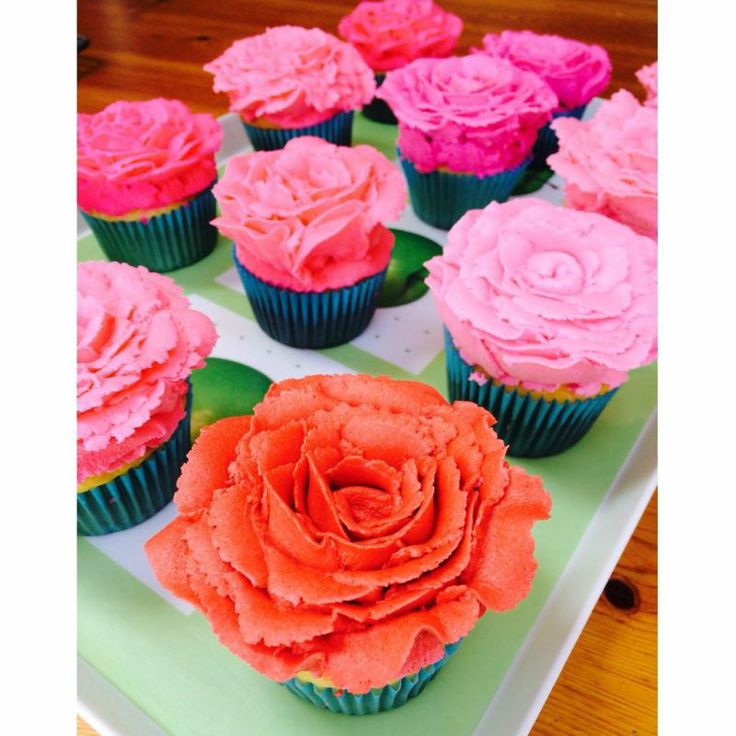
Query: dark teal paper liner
pixel 530 427
pixel 377 110
pixel 374 701
pixel 312 320
pixel 441 198
pixel 162 242
pixel 337 130
pixel 547 142
pixel 139 493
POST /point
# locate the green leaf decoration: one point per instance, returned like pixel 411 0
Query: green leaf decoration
pixel 533 180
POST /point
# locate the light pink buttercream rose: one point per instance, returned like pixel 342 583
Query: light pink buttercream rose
pixel 469 114
pixel 309 217
pixel 292 77
pixel 609 162
pixel 138 340
pixel 391 33
pixel 576 71
pixel 144 155
pixel 541 296
pixel 647 76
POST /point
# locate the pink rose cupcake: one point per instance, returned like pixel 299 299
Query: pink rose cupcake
pixel 647 76
pixel 145 172
pixel 137 342
pixel 467 126
pixel 576 71
pixel 310 244
pixel 292 81
pixel 609 163
pixel 391 33
pixel 546 311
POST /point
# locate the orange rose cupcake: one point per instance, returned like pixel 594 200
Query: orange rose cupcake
pixel 344 538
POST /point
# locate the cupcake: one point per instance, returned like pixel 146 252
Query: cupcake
pixel 391 33
pixel 576 71
pixel 137 343
pixel 467 126
pixel 546 311
pixel 309 240
pixel 609 163
pixel 292 81
pixel 145 172
pixel 348 535
pixel 647 76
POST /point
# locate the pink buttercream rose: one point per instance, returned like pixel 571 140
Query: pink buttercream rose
pixel 292 77
pixel 576 71
pixel 647 76
pixel 540 296
pixel 470 114
pixel 609 162
pixel 144 156
pixel 309 217
pixel 391 33
pixel 137 342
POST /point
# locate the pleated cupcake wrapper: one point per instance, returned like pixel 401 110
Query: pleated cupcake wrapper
pixel 139 493
pixel 531 427
pixel 377 110
pixel 376 700
pixel 162 242
pixel 441 198
pixel 312 320
pixel 338 130
pixel 547 142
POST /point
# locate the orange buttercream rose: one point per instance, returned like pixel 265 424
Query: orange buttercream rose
pixel 352 527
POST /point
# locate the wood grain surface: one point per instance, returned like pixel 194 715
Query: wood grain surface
pixel 147 48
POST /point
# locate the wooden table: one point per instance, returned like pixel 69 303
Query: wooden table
pixel 149 48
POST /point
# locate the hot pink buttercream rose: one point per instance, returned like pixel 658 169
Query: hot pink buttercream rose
pixel 292 77
pixel 309 217
pixel 137 342
pixel 391 33
pixel 541 296
pixel 647 76
pixel 470 114
pixel 576 71
pixel 144 156
pixel 609 162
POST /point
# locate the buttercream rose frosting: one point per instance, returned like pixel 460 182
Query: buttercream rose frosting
pixel 391 33
pixel 292 77
pixel 609 163
pixel 542 297
pixel 647 76
pixel 138 340
pixel 309 217
pixel 351 528
pixel 576 71
pixel 144 156
pixel 469 114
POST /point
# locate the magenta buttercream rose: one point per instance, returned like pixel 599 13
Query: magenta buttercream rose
pixel 391 33
pixel 138 340
pixel 647 76
pixel 609 163
pixel 144 156
pixel 542 297
pixel 576 71
pixel 309 217
pixel 470 114
pixel 292 77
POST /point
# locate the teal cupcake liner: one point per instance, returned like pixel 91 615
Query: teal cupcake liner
pixel 547 142
pixel 441 198
pixel 141 492
pixel 376 700
pixel 377 110
pixel 531 427
pixel 311 320
pixel 162 242
pixel 338 130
